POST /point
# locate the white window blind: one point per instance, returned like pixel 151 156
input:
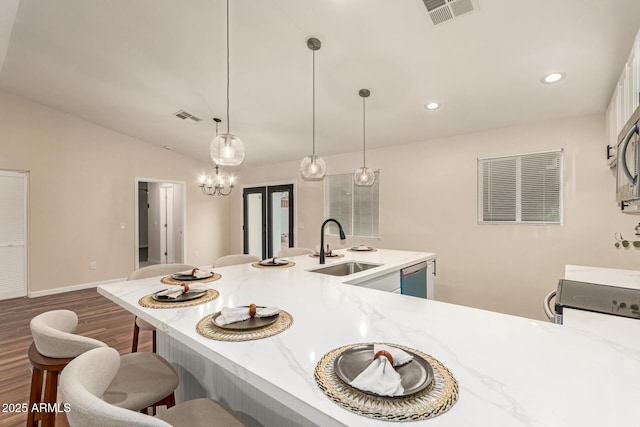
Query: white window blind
pixel 524 188
pixel 356 208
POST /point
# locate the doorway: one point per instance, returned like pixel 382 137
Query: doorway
pixel 160 207
pixel 268 213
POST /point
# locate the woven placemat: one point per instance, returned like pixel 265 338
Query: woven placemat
pixel 326 256
pixel 149 302
pixel 168 280
pixel 368 250
pixel 436 399
pixel 287 265
pixel 207 328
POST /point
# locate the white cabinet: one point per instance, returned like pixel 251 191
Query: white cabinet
pixel 431 273
pixel 396 283
pixel 625 98
pixel 389 282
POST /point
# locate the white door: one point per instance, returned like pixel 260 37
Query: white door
pixel 13 234
pixel 166 220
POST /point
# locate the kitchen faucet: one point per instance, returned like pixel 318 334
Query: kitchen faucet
pixel 342 236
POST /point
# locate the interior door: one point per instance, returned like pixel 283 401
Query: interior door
pixel 280 218
pixel 166 220
pixel 13 234
pixel 268 214
pixel 255 221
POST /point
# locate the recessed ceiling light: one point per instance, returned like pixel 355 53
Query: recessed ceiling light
pixel 432 106
pixel 553 77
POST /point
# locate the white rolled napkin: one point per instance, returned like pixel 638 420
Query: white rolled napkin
pixel 174 291
pixel 275 260
pixel 380 377
pixel 238 314
pixel 196 272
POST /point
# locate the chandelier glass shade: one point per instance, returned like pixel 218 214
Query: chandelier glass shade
pixel 218 185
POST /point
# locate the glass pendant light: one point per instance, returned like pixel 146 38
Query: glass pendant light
pixel 364 177
pixel 221 184
pixel 227 149
pixel 313 167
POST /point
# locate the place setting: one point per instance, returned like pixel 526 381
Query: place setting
pixel 274 262
pixel 387 382
pixel 185 288
pixel 193 275
pixel 244 323
pixel 362 248
pixel 329 253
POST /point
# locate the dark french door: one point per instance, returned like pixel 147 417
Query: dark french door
pixel 267 219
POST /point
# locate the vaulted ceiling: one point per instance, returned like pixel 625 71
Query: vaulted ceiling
pixel 130 65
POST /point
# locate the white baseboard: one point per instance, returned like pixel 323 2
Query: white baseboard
pixel 54 291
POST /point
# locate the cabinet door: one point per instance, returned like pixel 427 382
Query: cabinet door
pixel 635 75
pixel 612 121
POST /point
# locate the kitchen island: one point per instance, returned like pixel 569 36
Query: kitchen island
pixel 511 371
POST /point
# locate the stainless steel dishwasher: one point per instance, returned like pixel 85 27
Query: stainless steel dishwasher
pixel 413 280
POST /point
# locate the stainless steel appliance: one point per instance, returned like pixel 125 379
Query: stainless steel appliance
pixel 603 299
pixel 413 280
pixel 627 181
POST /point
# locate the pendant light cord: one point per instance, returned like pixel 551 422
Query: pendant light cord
pixel 313 132
pixel 228 120
pixel 364 138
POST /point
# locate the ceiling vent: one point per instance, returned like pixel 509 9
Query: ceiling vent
pixel 441 11
pixel 187 117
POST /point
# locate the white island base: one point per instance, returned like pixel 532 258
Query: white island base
pixel 202 378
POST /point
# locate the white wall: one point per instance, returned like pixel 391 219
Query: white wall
pixel 82 188
pixel 428 202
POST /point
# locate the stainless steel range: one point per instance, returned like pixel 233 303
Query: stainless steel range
pixel 604 299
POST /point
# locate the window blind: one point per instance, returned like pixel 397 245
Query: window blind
pixel 356 208
pixel 524 188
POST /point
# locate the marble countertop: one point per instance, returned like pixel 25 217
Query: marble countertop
pixel 512 371
pixel 603 276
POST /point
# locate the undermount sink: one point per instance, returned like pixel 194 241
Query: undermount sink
pixel 345 268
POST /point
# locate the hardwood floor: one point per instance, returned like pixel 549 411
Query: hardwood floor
pixel 98 318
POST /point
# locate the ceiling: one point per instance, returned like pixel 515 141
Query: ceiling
pixel 130 65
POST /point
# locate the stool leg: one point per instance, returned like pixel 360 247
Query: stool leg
pixel 154 341
pixel 136 332
pixel 34 396
pixel 50 397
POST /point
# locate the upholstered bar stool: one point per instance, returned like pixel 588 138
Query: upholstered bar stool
pixel 235 259
pixel 45 372
pixel 86 379
pixel 143 273
pixel 143 380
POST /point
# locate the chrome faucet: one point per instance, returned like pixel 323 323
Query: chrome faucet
pixel 342 236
